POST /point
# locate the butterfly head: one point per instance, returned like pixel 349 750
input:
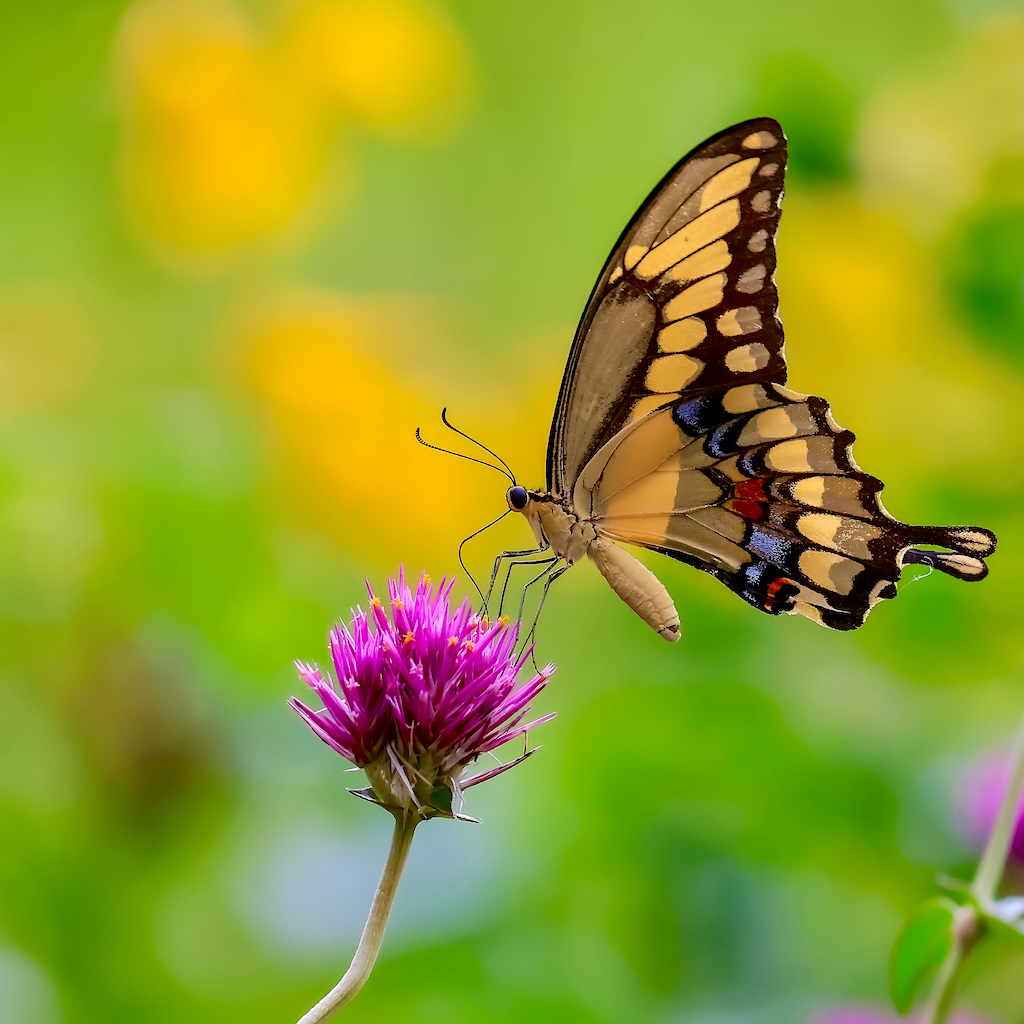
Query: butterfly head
pixel 518 498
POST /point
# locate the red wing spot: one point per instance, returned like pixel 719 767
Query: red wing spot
pixel 773 588
pixel 752 489
pixel 747 509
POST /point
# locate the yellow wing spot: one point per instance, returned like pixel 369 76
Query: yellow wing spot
pixel 776 425
pixel 760 140
pixel 973 540
pixel 701 231
pixel 810 491
pixel 682 335
pixel 727 183
pixel 761 201
pixel 695 299
pixel 793 396
pixel 634 254
pixel 615 275
pixel 758 240
pixel 747 398
pixel 708 260
pixel 668 374
pixel 803 455
pixel 768 170
pixel 752 280
pixel 829 571
pixel 808 611
pixel 836 493
pixel 747 358
pixel 743 320
pixel 850 536
pixel 966 564
pixel 645 405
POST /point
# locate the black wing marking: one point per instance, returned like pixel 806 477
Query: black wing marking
pixel 686 302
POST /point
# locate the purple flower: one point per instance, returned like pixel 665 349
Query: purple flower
pixel 870 1015
pixel 981 791
pixel 421 695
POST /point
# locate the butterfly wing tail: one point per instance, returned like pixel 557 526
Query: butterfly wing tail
pixel 968 547
pixel 638 587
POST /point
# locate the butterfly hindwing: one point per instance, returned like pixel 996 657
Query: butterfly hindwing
pixel 686 301
pixel 757 485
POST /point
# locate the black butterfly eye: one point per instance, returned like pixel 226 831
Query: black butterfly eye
pixel 517 498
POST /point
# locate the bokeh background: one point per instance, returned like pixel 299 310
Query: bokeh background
pixel 245 248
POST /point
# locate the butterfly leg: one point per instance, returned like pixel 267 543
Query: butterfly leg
pixel 553 575
pixel 548 570
pixel 525 561
pixel 497 567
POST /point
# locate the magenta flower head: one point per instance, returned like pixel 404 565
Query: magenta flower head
pixel 981 791
pixel 419 695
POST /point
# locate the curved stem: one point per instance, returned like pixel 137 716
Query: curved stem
pixel 373 932
pixel 940 999
pixel 984 888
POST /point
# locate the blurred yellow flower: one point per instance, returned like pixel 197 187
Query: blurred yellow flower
pixel 217 151
pixel 928 142
pixel 384 62
pixel 226 133
pixel 346 432
pixel 865 328
pixel 47 349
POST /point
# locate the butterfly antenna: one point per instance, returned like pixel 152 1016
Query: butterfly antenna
pixel 483 600
pixel 444 420
pixel 459 455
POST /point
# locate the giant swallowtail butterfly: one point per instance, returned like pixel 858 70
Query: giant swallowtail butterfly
pixel 674 430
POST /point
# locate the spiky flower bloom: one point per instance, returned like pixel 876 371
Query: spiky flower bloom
pixel 421 694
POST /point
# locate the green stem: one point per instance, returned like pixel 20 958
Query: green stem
pixel 373 932
pixel 984 888
pixel 940 999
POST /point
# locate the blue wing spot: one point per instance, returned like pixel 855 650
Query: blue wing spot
pixel 699 415
pixel 770 547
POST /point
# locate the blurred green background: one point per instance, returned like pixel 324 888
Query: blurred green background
pixel 245 248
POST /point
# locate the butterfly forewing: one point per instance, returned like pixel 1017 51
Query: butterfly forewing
pixel 686 302
pixel 674 430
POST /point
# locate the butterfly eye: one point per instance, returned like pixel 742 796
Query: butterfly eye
pixel 517 498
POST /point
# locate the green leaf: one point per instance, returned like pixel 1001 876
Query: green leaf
pixel 923 944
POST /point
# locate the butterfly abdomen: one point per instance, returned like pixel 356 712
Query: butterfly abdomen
pixel 637 586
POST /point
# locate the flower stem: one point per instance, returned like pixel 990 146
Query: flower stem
pixel 984 888
pixel 373 932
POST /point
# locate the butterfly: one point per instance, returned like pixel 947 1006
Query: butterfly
pixel 674 430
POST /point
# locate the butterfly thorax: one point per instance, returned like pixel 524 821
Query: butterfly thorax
pixel 556 524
